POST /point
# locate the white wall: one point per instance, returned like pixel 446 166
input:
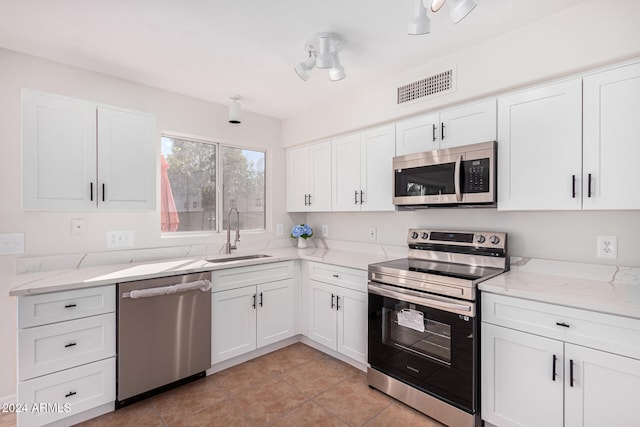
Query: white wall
pixel 49 232
pixel 589 35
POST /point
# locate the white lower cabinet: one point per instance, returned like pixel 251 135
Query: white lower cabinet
pixel 338 314
pixel 66 354
pixel 529 379
pixel 250 317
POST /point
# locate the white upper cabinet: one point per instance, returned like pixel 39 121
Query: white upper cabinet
pixel 540 148
pixel 611 129
pixel 81 156
pixel 468 124
pixel 309 178
pixel 362 172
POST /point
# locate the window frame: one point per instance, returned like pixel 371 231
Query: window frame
pixel 220 215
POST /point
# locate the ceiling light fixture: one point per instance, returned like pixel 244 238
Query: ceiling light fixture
pixel 420 22
pixel 323 51
pixel 458 9
pixel 234 110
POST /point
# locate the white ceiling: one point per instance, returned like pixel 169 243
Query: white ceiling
pixel 211 49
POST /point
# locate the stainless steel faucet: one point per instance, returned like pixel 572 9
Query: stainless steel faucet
pixel 228 246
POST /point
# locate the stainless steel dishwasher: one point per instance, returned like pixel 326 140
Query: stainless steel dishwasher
pixel 164 334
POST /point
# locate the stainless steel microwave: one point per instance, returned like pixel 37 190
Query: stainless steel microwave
pixel 462 176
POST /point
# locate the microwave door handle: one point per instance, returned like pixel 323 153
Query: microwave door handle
pixel 456 179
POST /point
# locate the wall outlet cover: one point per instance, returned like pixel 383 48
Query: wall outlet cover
pixel 11 243
pixel 607 247
pixel 120 239
pixel 373 233
pixel 279 230
pixel 325 231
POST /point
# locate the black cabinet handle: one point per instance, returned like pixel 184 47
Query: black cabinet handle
pixel 434 133
pixel 571 373
pixel 309 199
pixel 361 196
pixel 91 190
pixel 355 197
pixel 71 344
pixel 260 299
pixel 589 186
pixel 254 300
pixel 564 325
pixel 332 297
pixel 442 131
pixel 573 186
pixel 553 369
pixel 336 276
pixel 305 200
pixel 70 305
pixel 337 302
pixel 103 191
pixel 71 393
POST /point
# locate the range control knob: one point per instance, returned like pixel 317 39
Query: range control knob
pixel 494 240
pixel 425 235
pixel 480 239
pixel 414 235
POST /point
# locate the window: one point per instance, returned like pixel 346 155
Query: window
pixel 201 181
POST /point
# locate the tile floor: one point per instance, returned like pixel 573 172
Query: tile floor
pixel 294 386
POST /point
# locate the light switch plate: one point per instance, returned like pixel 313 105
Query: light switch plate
pixel 325 231
pixel 78 226
pixel 279 230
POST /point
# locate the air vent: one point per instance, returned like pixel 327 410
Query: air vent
pixel 436 84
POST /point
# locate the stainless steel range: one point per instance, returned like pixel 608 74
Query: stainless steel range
pixel 423 321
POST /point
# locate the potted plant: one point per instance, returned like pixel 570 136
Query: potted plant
pixel 302 232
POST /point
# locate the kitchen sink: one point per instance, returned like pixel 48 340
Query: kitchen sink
pixel 237 258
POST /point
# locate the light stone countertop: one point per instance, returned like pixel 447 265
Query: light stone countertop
pixel 606 289
pixel 41 276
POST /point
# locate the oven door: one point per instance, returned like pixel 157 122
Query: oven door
pixel 426 341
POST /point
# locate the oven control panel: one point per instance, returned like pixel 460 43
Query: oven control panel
pixel 483 239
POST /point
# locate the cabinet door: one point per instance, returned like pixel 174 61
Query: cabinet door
pixel 604 390
pixel 352 324
pixel 611 129
pixel 233 323
pixel 322 313
pixel 469 124
pixel 518 385
pixel 320 177
pixel 297 179
pixel 377 148
pixel 59 152
pixel 345 158
pixel 418 134
pixel 540 148
pixel 274 312
pixel 127 153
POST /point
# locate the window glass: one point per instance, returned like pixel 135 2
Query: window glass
pixel 188 185
pixel 243 187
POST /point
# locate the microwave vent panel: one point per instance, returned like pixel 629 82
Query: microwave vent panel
pixel 432 85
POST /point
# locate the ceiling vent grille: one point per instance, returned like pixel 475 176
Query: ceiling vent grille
pixel 432 85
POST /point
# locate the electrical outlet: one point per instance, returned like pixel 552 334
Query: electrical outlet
pixel 607 247
pixel 373 233
pixel 325 231
pixel 279 230
pixel 120 239
pixel 12 243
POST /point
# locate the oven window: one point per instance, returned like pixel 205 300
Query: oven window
pixel 406 328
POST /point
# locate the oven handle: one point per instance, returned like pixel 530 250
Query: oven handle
pixel 409 296
pixel 456 179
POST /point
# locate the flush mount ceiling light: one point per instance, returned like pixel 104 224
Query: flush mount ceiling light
pixel 323 51
pixel 458 9
pixel 420 22
pixel 234 109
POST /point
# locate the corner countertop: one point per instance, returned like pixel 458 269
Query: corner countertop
pixel 605 289
pixel 99 275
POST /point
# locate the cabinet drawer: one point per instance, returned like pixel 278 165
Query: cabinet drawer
pixel 68 392
pixel 232 278
pixel 59 346
pixel 341 276
pixel 35 310
pixel 615 334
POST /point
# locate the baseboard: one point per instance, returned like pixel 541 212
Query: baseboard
pixel 8 399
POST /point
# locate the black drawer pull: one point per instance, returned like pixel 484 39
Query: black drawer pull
pixel 336 276
pixel 70 306
pixel 71 393
pixel 564 325
pixel 71 344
